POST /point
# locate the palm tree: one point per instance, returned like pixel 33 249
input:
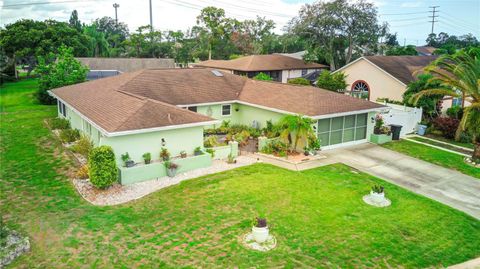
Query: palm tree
pixel 459 76
pixel 296 127
pixel 98 43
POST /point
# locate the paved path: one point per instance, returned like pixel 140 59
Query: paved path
pixel 444 185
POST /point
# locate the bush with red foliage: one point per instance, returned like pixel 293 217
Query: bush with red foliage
pixel 448 126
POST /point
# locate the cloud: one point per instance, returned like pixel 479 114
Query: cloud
pixel 167 14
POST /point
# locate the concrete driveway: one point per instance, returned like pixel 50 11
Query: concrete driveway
pixel 444 185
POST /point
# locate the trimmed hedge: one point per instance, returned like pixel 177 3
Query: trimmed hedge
pixel 102 167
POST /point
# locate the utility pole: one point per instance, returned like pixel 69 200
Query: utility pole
pixel 116 17
pixel 151 21
pixel 433 21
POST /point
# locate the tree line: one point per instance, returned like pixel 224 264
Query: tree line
pixel 333 33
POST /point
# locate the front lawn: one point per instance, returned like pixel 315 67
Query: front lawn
pixel 317 215
pixel 433 155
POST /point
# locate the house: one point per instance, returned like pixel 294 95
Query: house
pixel 146 110
pixel 280 67
pixel 107 67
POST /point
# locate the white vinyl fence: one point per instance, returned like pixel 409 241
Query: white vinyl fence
pixel 408 117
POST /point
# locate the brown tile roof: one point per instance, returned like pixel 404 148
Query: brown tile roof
pixel 306 100
pixel 268 62
pixel 149 98
pixel 401 67
pixel 114 110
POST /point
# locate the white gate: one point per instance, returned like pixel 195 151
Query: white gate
pixel 408 117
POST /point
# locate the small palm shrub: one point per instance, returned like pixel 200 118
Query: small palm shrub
pixel 377 189
pixel 164 154
pixel 69 135
pixel 83 146
pixel 147 157
pixel 59 123
pixel 210 141
pixel 82 173
pixel 103 168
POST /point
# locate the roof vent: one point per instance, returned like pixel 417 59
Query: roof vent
pixel 217 73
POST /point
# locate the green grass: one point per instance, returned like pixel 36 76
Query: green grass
pixel 318 215
pixel 451 141
pixel 433 155
pixel 439 144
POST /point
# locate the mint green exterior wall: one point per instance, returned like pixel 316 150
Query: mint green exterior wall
pixel 245 114
pixel 222 153
pixel 137 144
pixel 76 122
pixel 143 172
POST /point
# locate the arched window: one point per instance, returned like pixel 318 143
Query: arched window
pixel 361 89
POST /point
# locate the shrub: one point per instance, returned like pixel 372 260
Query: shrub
pixel 377 189
pixel 276 147
pixel 262 76
pixel 299 81
pixel 102 166
pixel 332 82
pixel 231 159
pixel 197 151
pixel 211 152
pixel 147 157
pixel 69 135
pixel 260 222
pixel 210 142
pixel 455 112
pixel 82 173
pixel 170 165
pixel 59 123
pixel 164 154
pixel 448 126
pixel 83 146
pixel 465 138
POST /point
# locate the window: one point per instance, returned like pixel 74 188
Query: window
pixel 62 108
pixel 342 129
pixel 192 108
pixel 226 110
pixel 304 72
pixel 360 89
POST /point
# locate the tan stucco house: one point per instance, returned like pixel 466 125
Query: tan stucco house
pixel 375 77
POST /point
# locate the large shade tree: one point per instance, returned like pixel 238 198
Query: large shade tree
pixel 340 28
pixel 458 75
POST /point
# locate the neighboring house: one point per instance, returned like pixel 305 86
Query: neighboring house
pixel 145 110
pixel 425 50
pixel 375 77
pixel 280 67
pixel 297 55
pixel 107 67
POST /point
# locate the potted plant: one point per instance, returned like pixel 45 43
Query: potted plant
pixel 147 157
pixel 183 154
pixel 260 230
pixel 306 151
pixel 171 168
pixel 165 154
pixel 126 159
pixel 231 159
pixel 377 193
pixel 197 151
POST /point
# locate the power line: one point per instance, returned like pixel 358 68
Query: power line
pixel 433 11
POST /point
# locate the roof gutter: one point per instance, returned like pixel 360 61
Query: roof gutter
pixel 326 116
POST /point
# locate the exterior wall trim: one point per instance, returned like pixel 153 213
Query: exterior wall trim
pixel 326 116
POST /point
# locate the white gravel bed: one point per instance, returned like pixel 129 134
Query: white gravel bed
pixel 119 194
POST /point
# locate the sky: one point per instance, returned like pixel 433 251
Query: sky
pixel 408 18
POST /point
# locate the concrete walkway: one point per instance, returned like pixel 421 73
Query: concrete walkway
pixel 441 184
